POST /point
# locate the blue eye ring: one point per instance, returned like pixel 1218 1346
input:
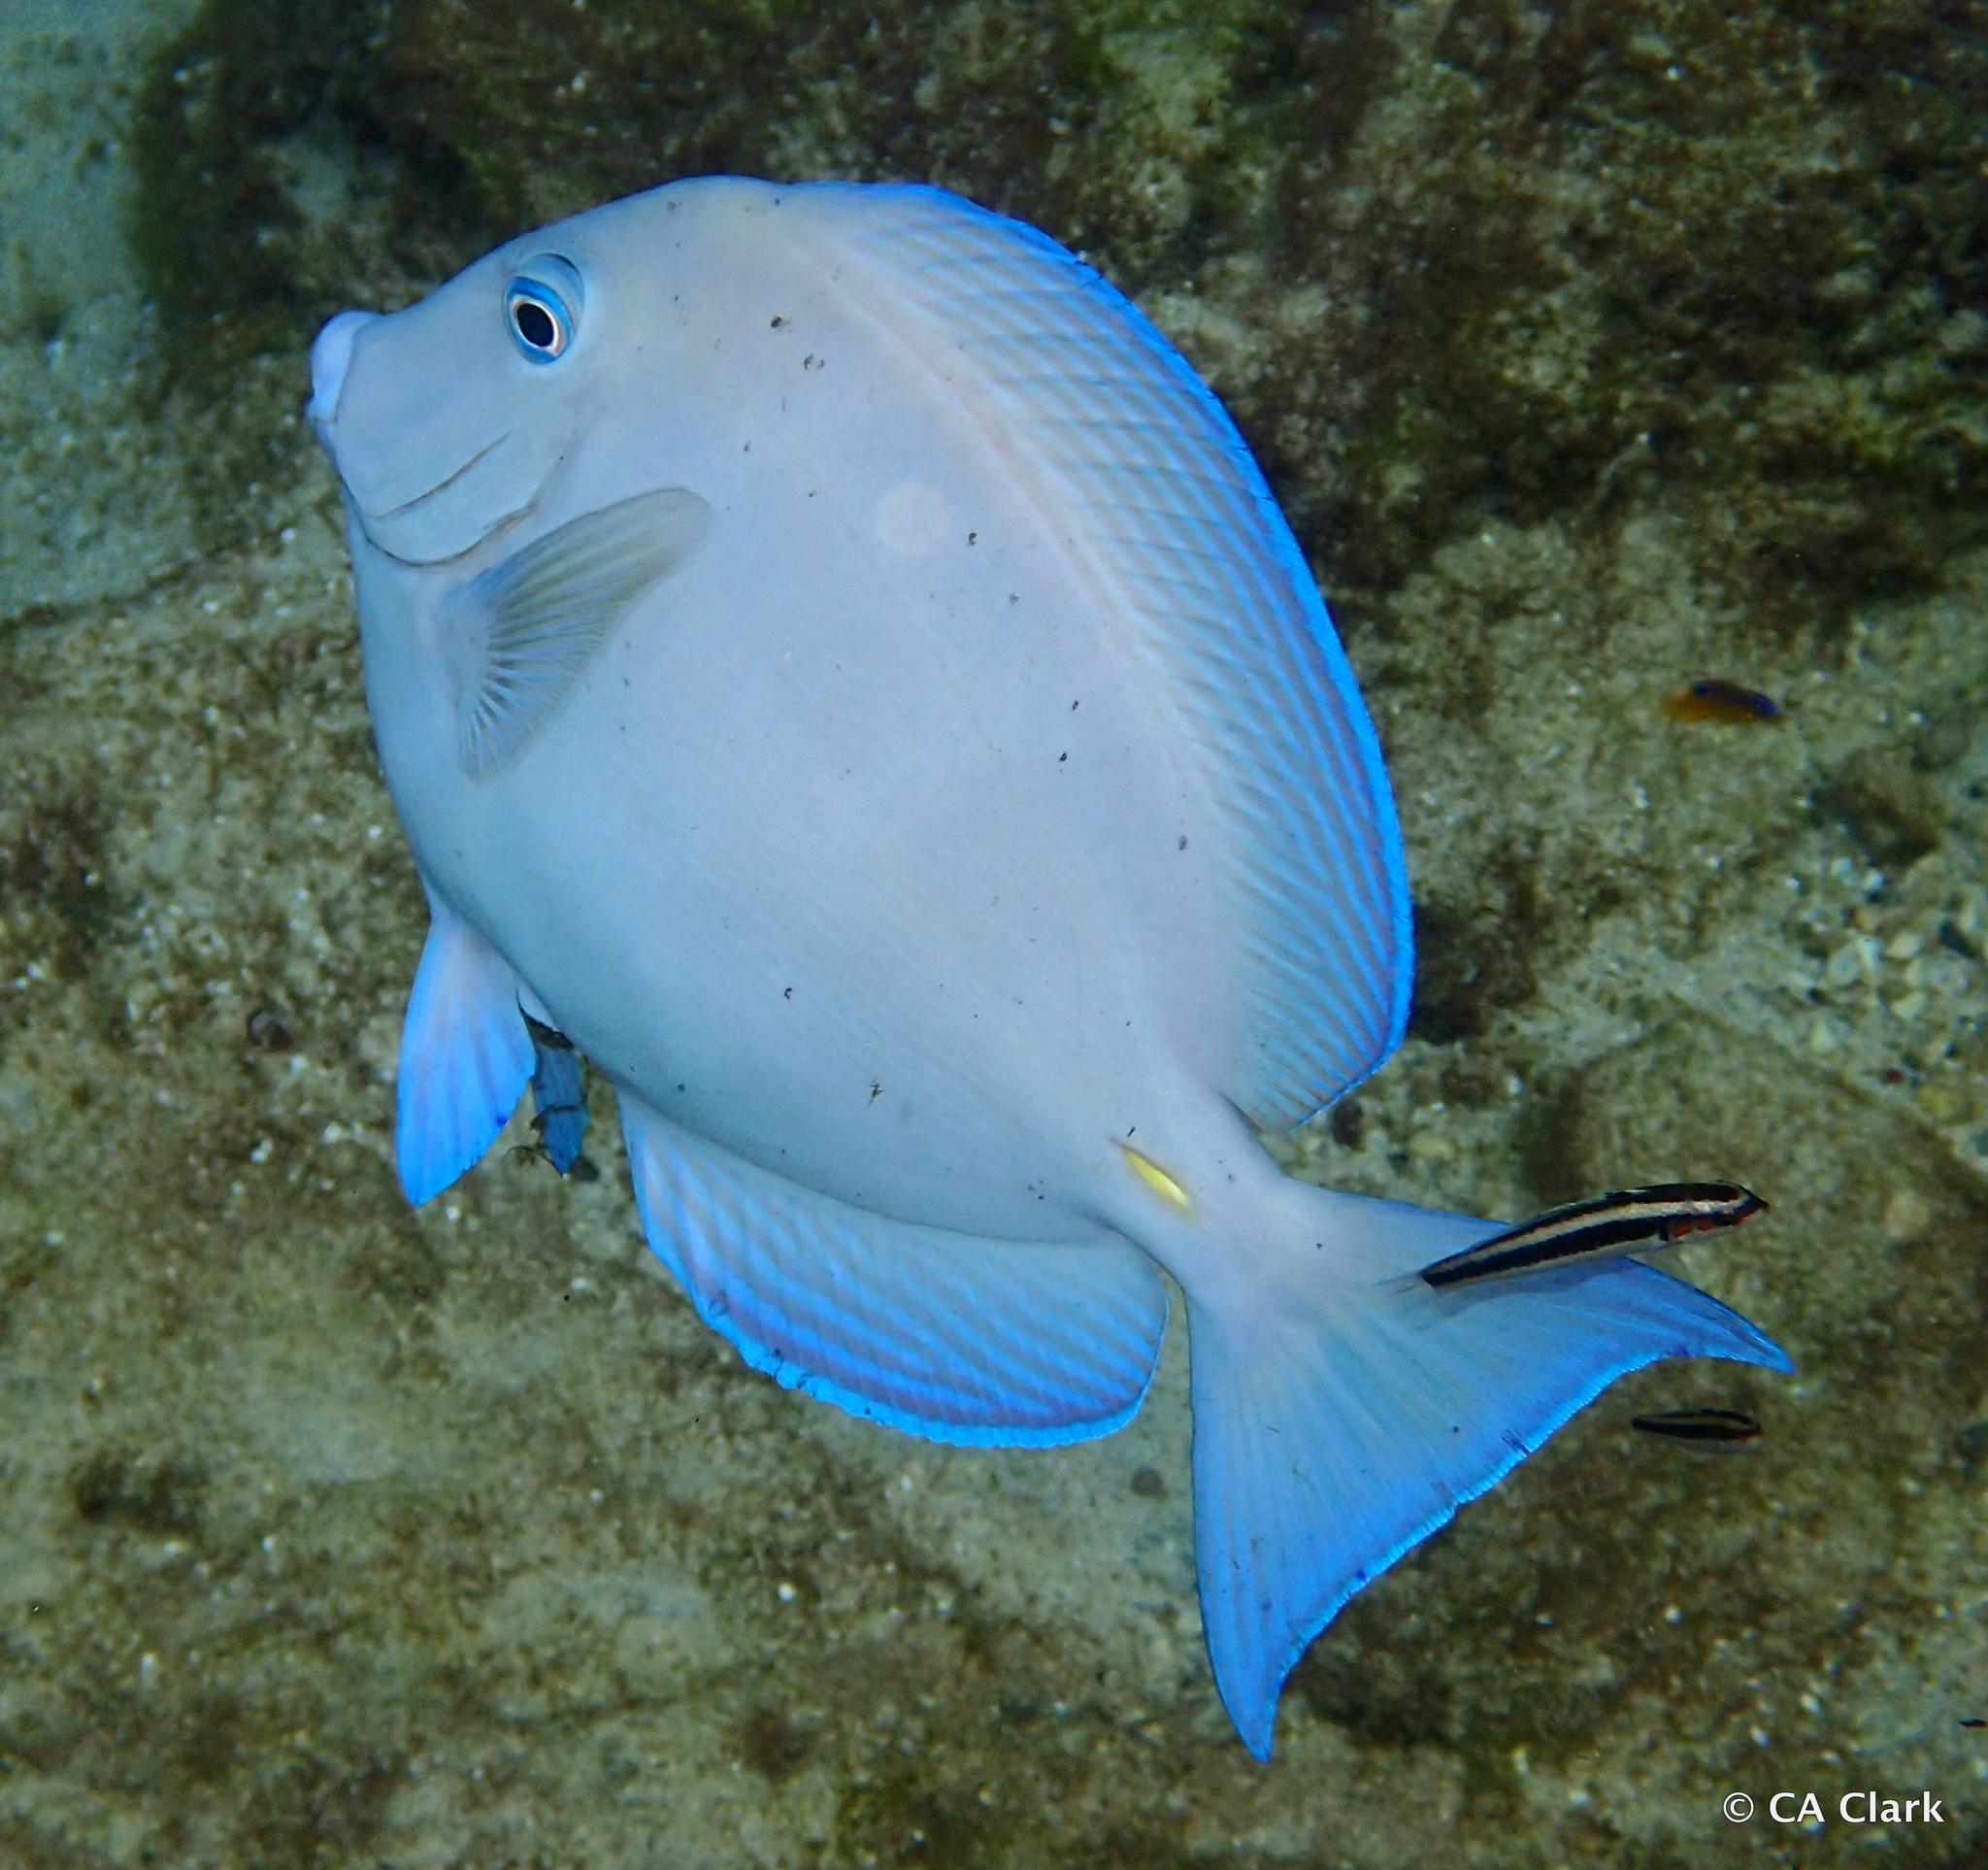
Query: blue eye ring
pixel 542 308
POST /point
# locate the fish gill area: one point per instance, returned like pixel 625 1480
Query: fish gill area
pixel 1593 351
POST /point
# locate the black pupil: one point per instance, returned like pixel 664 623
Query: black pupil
pixel 534 324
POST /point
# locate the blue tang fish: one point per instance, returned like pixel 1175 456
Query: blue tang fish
pixel 837 665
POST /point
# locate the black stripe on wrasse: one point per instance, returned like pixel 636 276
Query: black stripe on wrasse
pixel 1600 1228
pixel 1701 1427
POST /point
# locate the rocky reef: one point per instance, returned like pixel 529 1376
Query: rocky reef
pixel 1594 350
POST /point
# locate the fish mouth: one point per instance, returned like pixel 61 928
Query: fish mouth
pixel 443 485
pixel 477 501
pixel 331 356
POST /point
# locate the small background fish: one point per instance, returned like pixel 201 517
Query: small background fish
pixel 1713 1429
pixel 1725 702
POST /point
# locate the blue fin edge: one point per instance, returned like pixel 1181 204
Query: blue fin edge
pixel 791 1376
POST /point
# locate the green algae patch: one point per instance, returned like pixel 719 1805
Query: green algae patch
pixel 1598 253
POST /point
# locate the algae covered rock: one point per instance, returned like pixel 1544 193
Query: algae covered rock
pixel 1443 261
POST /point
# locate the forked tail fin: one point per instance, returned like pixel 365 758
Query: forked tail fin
pixel 1339 1418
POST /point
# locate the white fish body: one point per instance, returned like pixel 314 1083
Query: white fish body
pixel 851 680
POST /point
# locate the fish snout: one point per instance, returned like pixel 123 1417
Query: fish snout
pixel 331 356
pixel 439 431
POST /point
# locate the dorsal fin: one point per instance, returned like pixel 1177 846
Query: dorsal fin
pixel 1141 468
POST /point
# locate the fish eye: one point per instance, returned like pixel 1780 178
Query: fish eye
pixel 538 321
pixel 541 308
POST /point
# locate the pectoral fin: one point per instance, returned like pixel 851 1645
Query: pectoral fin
pixel 518 636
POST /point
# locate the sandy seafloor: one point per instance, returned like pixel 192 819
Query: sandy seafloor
pixel 334 1533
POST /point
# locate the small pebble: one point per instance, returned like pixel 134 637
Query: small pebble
pixel 1906 1216
pixel 266 1031
pixel 1846 967
pixel 1945 1101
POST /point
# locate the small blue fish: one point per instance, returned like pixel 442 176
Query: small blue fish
pixel 837 664
pixel 558 1096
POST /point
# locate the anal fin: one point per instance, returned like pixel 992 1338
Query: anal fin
pixel 941 1334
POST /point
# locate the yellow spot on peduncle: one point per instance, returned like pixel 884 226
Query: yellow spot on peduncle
pixel 1158 1179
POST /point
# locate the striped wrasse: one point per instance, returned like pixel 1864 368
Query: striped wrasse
pixel 1628 1220
pixel 1708 1428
